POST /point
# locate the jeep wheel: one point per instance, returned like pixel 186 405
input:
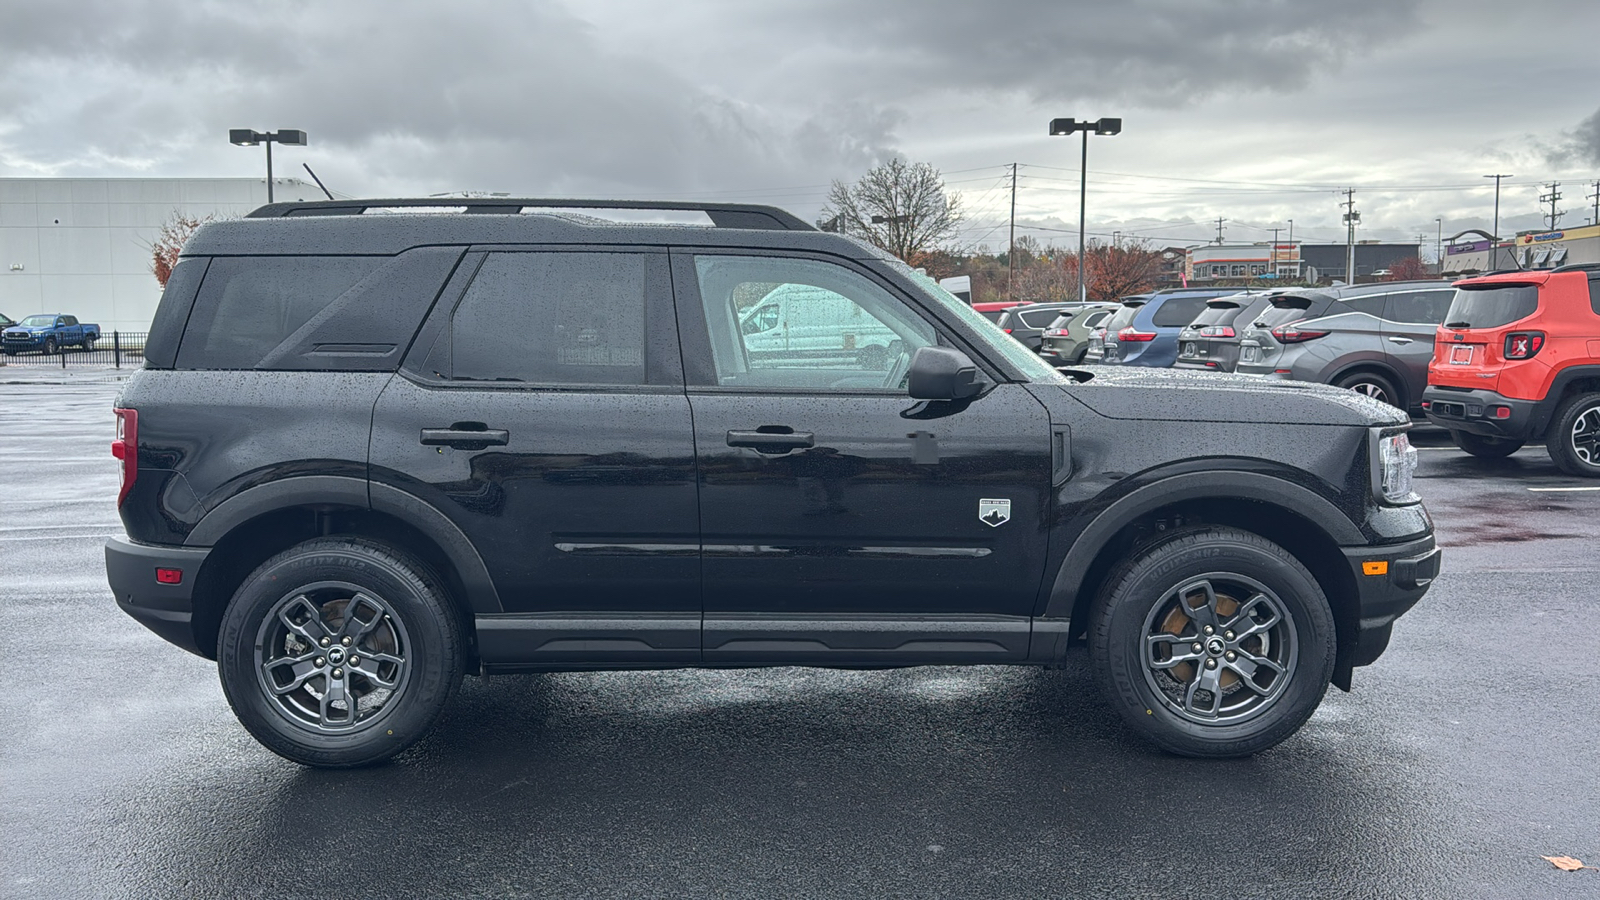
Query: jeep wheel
pixel 339 652
pixel 49 346
pixel 1574 437
pixel 1373 385
pixel 1213 642
pixel 1485 447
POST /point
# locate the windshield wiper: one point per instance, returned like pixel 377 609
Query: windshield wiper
pixel 1458 324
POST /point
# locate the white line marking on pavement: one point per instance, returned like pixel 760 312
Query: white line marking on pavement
pixel 46 527
pixel 1546 490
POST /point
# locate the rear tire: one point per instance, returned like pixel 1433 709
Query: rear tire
pixel 1573 440
pixel 1260 671
pixel 339 652
pixel 1485 447
pixel 1373 385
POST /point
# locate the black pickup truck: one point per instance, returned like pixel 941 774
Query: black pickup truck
pixel 369 454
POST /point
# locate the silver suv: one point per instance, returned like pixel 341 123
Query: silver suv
pixel 1373 338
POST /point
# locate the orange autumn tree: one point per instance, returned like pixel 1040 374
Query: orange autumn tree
pixel 175 232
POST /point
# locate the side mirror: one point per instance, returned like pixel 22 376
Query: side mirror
pixel 943 373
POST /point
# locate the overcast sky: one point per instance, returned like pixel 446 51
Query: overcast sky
pixel 1256 111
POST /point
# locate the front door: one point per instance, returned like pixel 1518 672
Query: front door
pixel 546 418
pixel 840 520
pixel 1411 319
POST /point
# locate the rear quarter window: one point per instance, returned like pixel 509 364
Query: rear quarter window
pixel 1491 305
pixel 1594 293
pixel 1177 312
pixel 1419 307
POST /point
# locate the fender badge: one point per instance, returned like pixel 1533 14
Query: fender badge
pixel 994 513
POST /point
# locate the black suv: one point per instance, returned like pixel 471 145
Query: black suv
pixel 371 451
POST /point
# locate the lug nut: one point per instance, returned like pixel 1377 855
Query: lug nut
pixel 345 640
pixel 1209 629
pixel 355 661
pixel 323 642
pixel 339 673
pixel 1210 664
pixel 1232 656
pixel 1196 647
pixel 319 661
pixel 1228 635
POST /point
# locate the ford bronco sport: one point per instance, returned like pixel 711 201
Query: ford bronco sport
pixel 369 453
pixel 1518 359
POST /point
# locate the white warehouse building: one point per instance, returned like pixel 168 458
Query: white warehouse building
pixel 82 246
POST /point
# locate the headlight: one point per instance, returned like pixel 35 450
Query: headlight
pixel 1397 463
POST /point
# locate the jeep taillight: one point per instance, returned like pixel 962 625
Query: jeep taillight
pixel 1292 333
pixel 1523 344
pixel 1134 336
pixel 126 448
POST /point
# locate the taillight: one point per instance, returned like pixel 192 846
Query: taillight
pixel 1135 337
pixel 1058 332
pixel 1292 333
pixel 126 448
pixel 1217 331
pixel 1523 344
pixel 1007 331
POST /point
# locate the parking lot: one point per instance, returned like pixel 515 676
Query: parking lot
pixel 1462 756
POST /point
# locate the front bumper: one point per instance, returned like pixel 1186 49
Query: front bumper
pixel 1389 581
pixel 166 609
pixel 1472 411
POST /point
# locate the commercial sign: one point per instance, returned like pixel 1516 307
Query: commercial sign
pixel 1473 247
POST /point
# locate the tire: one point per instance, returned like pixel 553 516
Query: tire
pixel 1485 447
pixel 1082 352
pixel 49 346
pixel 1139 641
pixel 88 343
pixel 404 634
pixel 1573 440
pixel 1373 385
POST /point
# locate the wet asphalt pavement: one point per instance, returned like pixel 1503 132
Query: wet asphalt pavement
pixel 1467 752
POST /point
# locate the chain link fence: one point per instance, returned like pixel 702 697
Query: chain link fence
pixel 118 349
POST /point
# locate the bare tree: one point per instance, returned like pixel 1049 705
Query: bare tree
pixel 1047 275
pixel 898 206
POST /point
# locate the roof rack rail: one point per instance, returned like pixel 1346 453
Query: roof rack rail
pixel 1578 267
pixel 722 215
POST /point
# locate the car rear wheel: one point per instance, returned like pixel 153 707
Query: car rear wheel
pixel 1485 447
pixel 1574 437
pixel 339 652
pixel 1213 642
pixel 1373 385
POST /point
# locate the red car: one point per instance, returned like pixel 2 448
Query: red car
pixel 1518 359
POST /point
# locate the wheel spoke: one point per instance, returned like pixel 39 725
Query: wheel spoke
pixel 311 627
pixel 1249 664
pixel 354 626
pixel 1206 614
pixel 1251 626
pixel 1180 650
pixel 338 690
pixel 302 668
pixel 1207 680
pixel 372 667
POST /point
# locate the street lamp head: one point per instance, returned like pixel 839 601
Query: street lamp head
pixel 1063 126
pixel 1108 126
pixel 244 137
pixel 290 137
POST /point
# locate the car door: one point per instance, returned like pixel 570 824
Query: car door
pixel 843 523
pixel 542 411
pixel 1411 319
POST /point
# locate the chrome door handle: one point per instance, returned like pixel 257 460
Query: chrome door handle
pixel 1400 340
pixel 771 440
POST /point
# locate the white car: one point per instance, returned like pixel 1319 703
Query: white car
pixel 801 321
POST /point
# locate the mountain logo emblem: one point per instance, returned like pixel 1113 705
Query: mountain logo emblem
pixel 994 513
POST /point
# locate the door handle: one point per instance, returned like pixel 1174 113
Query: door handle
pixel 1060 455
pixel 1400 340
pixel 770 439
pixel 466 436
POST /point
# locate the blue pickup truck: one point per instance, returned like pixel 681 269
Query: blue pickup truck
pixel 48 332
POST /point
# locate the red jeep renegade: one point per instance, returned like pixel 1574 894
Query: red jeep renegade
pixel 1518 359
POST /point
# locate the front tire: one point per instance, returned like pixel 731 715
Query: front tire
pixel 339 652
pixel 1372 385
pixel 1573 441
pixel 1262 626
pixel 49 346
pixel 1485 447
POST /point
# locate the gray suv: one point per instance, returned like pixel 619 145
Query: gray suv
pixel 1376 339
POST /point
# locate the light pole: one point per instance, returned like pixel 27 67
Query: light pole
pixel 289 137
pixel 1099 126
pixel 1438 246
pixel 1494 241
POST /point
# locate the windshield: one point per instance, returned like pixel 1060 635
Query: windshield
pixel 1015 352
pixel 1491 305
pixel 36 321
pixel 1289 309
pixel 1217 312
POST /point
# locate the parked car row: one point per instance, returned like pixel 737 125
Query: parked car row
pixel 1497 360
pixel 48 333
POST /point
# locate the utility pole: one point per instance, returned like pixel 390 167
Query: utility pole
pixel 1220 220
pixel 1351 217
pixel 1494 242
pixel 1554 215
pixel 1438 246
pixel 1272 270
pixel 1011 254
pixel 1595 220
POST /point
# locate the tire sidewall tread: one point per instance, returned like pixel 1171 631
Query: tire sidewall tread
pixel 1558 440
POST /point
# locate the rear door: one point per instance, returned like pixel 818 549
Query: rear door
pixel 1411 320
pixel 842 522
pixel 543 412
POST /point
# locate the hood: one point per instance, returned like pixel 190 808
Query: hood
pixel 1184 396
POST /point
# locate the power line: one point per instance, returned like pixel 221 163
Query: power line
pixel 1554 215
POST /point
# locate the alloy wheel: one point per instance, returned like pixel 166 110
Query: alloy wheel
pixel 1585 436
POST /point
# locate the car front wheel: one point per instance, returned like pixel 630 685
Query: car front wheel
pixel 339 652
pixel 1573 441
pixel 1213 642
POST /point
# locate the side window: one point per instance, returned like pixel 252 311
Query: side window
pixel 552 318
pixel 1371 304
pixel 1594 292
pixel 69 320
pixel 803 323
pixel 248 305
pixel 1419 307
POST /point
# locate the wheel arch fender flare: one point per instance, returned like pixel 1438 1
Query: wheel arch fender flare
pixel 1378 366
pixel 1545 412
pixel 344 490
pixel 1191 486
